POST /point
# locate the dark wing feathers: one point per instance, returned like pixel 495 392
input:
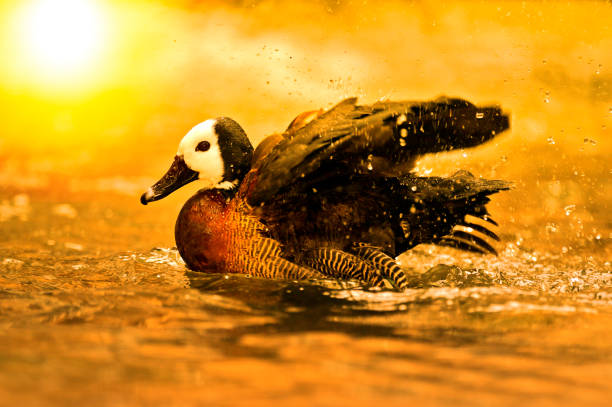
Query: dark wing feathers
pixel 299 153
pixel 396 132
pixel 461 185
pixel 447 124
pixel 451 212
pixel 395 214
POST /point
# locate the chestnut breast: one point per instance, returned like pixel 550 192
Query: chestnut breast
pixel 197 228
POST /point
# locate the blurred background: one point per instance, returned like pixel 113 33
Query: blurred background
pixel 95 95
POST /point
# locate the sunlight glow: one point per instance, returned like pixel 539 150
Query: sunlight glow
pixel 63 36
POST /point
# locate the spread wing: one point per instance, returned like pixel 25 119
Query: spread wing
pixel 383 139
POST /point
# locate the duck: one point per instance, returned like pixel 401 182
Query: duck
pixel 334 194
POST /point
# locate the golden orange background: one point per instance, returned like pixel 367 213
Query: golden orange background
pixel 96 308
pixel 165 66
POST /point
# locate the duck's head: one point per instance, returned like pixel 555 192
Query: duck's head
pixel 216 152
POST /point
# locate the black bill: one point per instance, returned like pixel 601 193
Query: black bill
pixel 177 176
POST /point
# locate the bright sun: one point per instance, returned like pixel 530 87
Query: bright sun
pixel 63 36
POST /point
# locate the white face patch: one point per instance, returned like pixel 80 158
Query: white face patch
pixel 208 164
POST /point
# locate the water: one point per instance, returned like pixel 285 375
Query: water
pixel 87 309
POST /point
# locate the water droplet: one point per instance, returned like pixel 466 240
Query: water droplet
pixel 74 246
pixel 550 140
pixel 569 209
pixel 414 188
pixel 551 228
pixel 479 115
pixel 370 157
pixel 547 97
pixel 65 210
pixel 402 142
pixel 403 133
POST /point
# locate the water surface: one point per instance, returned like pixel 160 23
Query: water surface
pixel 85 321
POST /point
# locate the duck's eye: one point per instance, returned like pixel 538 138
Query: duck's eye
pixel 203 146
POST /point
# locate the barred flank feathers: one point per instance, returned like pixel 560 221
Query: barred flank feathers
pixel 274 268
pixel 385 264
pixel 281 268
pixel 336 263
pixel 263 248
pixel 249 252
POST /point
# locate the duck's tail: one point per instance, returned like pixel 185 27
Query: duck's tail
pixel 447 211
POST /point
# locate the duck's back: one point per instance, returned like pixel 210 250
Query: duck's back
pixel 393 214
pixel 334 219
